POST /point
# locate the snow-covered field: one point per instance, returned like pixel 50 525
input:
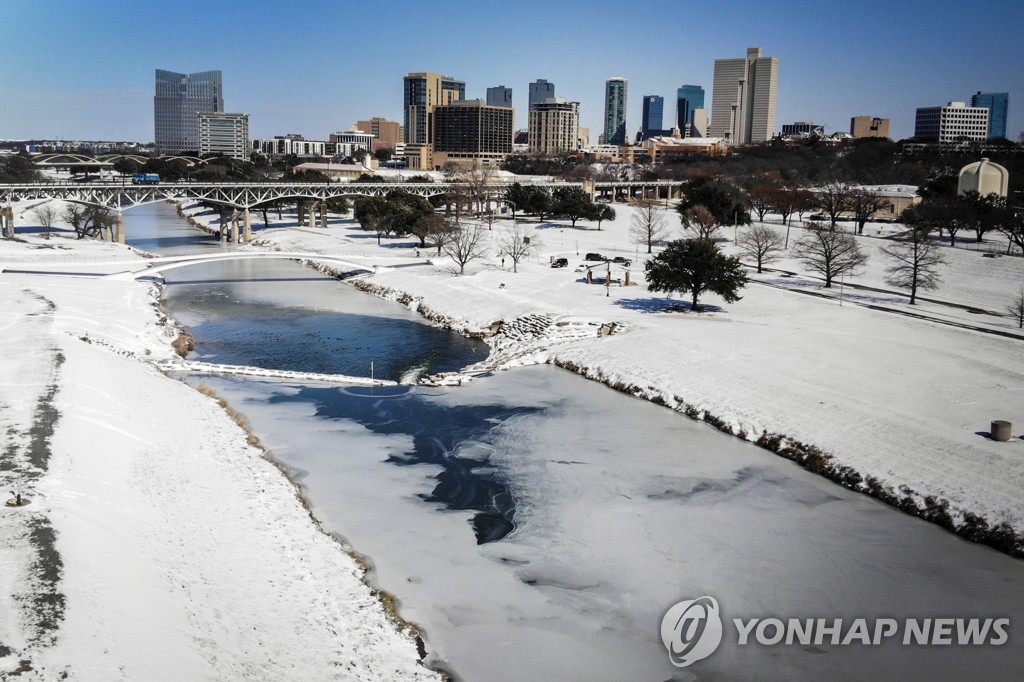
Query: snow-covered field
pixel 158 544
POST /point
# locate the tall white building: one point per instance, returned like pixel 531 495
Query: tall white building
pixel 554 126
pixel 224 133
pixel 744 98
pixel 951 123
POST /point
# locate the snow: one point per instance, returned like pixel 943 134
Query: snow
pixel 180 551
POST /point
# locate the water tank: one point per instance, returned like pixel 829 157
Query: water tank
pixel 984 177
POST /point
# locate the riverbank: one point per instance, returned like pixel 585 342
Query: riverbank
pixel 851 387
pixel 159 542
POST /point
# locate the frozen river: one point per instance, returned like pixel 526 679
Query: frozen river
pixel 538 525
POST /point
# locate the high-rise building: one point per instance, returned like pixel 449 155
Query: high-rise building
pixel 468 131
pixel 499 96
pixel 225 134
pixel 423 92
pixel 615 110
pixel 866 126
pixel 179 99
pixel 541 90
pixel 743 99
pixel 554 126
pixel 650 122
pixel 688 98
pixel 386 134
pixel 998 105
pixel 952 123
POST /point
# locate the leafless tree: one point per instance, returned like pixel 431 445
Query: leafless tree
pixel 830 253
pixel 88 221
pixel 480 181
pixel 916 258
pixel 47 215
pixel 1016 308
pixel 466 244
pixel 517 242
pixel 833 199
pixel 761 243
pixel 863 204
pixel 761 198
pixel 701 222
pixel 648 223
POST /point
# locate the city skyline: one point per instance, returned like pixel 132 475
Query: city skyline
pixel 324 78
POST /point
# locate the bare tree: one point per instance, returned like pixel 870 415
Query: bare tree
pixel 761 243
pixel 47 215
pixel 863 204
pixel 517 242
pixel 916 258
pixel 701 221
pixel 1016 307
pixel 833 199
pixel 480 181
pixel 466 244
pixel 761 198
pixel 88 221
pixel 830 253
pixel 648 223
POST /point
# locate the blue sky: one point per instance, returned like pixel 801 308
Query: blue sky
pixel 85 69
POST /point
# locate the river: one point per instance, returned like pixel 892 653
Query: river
pixel 538 525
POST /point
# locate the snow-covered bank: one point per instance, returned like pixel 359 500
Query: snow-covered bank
pixel 898 406
pixel 159 544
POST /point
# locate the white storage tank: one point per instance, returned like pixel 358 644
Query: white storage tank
pixel 984 177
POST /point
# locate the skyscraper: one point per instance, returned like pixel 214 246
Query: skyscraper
pixel 423 92
pixel 650 123
pixel 954 122
pixel 998 105
pixel 554 126
pixel 499 96
pixel 688 98
pixel 743 100
pixel 541 90
pixel 615 110
pixel 468 131
pixel 179 99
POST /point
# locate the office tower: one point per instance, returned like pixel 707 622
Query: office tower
pixel 554 126
pixel 423 92
pixel 348 142
pixel 386 134
pixel 469 130
pixel 541 90
pixel 650 122
pixel 743 100
pixel 225 134
pixel 615 110
pixel 866 126
pixel 998 105
pixel 499 96
pixel 952 123
pixel 688 98
pixel 179 99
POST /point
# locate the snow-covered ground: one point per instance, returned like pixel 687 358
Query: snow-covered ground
pixel 159 544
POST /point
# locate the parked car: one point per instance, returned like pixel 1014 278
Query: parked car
pixel 594 256
pixel 622 260
pixel 560 263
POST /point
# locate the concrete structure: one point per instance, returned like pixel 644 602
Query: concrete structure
pixel 179 99
pixel 867 126
pixel 802 128
pixel 336 171
pixel 468 132
pixel 744 98
pixel 423 92
pixel 541 90
pixel 954 122
pixel 225 134
pixel 688 99
pixel 554 126
pixel 615 110
pixel 386 134
pixel 984 177
pixel 699 123
pixel 284 145
pixel 998 105
pixel 499 96
pixel 664 148
pixel 652 116
pixel 348 142
pixel 583 138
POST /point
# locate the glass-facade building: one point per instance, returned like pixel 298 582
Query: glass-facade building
pixel 615 111
pixel 688 98
pixel 998 105
pixel 499 96
pixel 653 113
pixel 179 99
pixel 423 92
pixel 541 90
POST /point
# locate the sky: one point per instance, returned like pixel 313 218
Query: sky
pixel 85 69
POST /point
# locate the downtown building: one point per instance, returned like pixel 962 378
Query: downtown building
pixel 423 93
pixel 691 116
pixel 499 96
pixel 744 98
pixel 998 105
pixel 541 90
pixel 955 122
pixel 614 111
pixel 224 134
pixel 470 133
pixel 179 99
pixel 652 116
pixel 554 126
pixel 386 134
pixel 868 126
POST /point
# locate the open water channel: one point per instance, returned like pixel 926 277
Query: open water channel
pixel 537 525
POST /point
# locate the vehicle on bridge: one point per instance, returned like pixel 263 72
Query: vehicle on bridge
pixel 145 179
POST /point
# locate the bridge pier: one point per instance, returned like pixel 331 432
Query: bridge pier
pixel 119 228
pixel 247 221
pixel 323 214
pixel 7 221
pixel 300 209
